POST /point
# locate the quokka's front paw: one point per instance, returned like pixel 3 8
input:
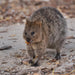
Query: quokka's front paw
pixel 34 62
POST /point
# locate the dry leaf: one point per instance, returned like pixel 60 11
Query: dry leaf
pixel 13 35
pixel 7 70
pixel 1 17
pixel 53 60
pixel 18 55
pixel 63 55
pixel 36 74
pixel 57 62
pixel 26 42
pixel 48 63
pixel 7 18
pixel 25 62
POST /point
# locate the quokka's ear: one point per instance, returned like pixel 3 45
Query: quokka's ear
pixel 27 20
pixel 38 22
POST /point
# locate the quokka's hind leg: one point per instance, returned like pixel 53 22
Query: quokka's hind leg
pixel 57 57
pixel 58 48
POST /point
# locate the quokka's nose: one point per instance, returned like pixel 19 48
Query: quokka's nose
pixel 28 39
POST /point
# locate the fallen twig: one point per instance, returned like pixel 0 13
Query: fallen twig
pixel 5 47
pixel 70 37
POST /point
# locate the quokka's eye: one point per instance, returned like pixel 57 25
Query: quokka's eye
pixel 25 33
pixel 32 33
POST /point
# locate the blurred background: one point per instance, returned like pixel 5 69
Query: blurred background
pixel 14 11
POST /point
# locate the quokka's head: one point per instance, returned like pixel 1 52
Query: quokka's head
pixel 33 31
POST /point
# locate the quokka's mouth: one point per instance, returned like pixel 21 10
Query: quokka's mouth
pixel 27 42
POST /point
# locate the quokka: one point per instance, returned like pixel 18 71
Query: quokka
pixel 45 28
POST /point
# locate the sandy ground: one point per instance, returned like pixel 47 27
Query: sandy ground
pixel 11 59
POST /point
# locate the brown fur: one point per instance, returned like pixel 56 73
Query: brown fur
pixel 50 30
